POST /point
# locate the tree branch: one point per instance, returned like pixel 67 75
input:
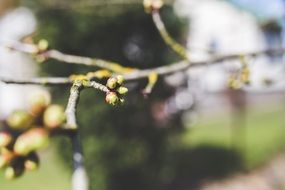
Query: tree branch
pixel 49 81
pixel 163 70
pixel 184 65
pixel 66 58
pixel 72 105
pixel 79 177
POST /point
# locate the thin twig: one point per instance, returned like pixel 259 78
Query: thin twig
pixel 73 59
pixel 184 65
pixel 48 81
pixel 175 46
pixel 66 58
pixel 72 104
pixel 163 70
pixel 98 86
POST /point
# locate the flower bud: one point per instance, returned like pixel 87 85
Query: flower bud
pixel 112 98
pixel 122 90
pixel 38 102
pixel 15 169
pixel 19 119
pixel 43 45
pixel 39 138
pixel 5 159
pixel 112 83
pixel 32 161
pixel 54 116
pixel 120 79
pixel 23 145
pixel 5 150
pixel 5 139
pixel 150 5
pixel 34 139
pixel 157 4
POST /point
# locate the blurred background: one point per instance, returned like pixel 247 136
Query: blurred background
pixel 192 132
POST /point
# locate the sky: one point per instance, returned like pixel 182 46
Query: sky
pixel 263 9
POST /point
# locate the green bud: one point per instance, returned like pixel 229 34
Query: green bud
pixel 19 119
pixel 22 145
pixel 32 162
pixel 10 173
pixel 38 102
pixel 120 79
pixel 14 171
pixel 112 83
pixel 112 98
pixel 54 116
pixel 122 90
pixel 15 168
pixel 5 139
pixel 5 159
pixel 34 139
pixel 43 45
pixel 40 138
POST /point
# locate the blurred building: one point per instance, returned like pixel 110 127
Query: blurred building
pixel 15 23
pixel 218 27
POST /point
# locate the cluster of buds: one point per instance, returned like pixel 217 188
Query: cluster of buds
pixel 240 78
pixel 27 131
pixel 116 90
pixel 152 5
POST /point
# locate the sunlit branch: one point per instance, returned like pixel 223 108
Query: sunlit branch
pixel 184 65
pixel 73 59
pixel 45 81
pixel 66 58
pixel 163 70
pixel 176 47
pixel 72 105
pixel 98 86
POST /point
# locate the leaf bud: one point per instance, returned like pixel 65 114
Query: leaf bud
pixel 31 162
pixel 43 45
pixel 5 138
pixel 38 102
pixel 54 116
pixel 20 119
pixel 120 79
pixel 111 83
pixel 112 98
pixel 122 90
pixel 15 169
pixel 34 139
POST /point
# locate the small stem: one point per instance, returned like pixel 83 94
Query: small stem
pixel 48 81
pixel 70 111
pixel 176 47
pixel 79 176
pixel 74 59
pixel 96 85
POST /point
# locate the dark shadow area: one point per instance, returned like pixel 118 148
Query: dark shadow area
pixel 191 167
pixel 183 169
